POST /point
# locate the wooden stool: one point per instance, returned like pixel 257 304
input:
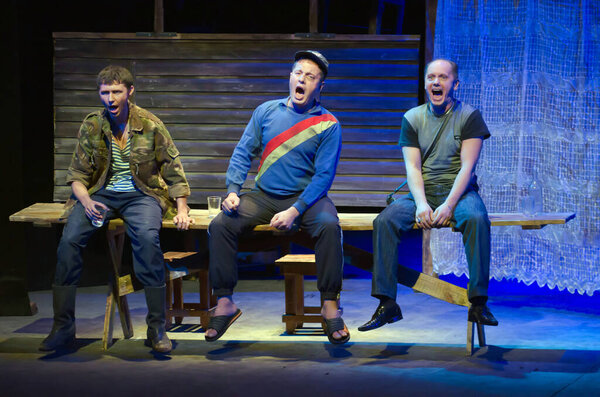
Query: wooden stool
pixel 181 264
pixel 294 268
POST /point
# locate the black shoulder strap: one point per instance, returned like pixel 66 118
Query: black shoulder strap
pixel 390 197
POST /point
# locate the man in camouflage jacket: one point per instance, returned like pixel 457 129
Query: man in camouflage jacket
pixel 125 165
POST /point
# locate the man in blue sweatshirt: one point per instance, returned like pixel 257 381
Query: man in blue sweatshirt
pixel 298 143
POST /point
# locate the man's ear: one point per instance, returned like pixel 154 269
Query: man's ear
pixel 321 86
pixel 131 89
pixel 456 84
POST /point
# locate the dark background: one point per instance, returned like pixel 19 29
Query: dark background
pixel 28 253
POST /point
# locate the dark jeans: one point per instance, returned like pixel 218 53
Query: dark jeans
pixel 320 221
pixel 470 218
pixel 143 219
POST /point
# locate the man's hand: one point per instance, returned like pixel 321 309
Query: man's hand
pixel 182 220
pixel 231 203
pixel 424 216
pixel 283 220
pixel 442 215
pixel 91 209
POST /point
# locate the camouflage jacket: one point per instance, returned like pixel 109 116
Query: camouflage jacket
pixel 154 160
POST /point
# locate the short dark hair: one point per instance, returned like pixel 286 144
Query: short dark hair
pixel 453 66
pixel 115 74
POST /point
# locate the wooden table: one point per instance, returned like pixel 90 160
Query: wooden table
pixel 47 214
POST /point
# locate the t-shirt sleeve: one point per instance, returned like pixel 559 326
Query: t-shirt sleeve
pixel 408 135
pixel 475 127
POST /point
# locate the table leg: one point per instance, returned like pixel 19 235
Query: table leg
pixel 116 237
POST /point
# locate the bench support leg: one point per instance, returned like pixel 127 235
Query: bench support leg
pixel 294 300
pixel 116 238
pixel 207 299
pixel 480 337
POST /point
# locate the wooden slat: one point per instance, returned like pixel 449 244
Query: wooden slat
pixel 225 149
pixel 184 67
pixel 229 101
pixel 277 85
pixel 212 164
pixel 244 84
pixel 233 132
pixel 180 49
pixel 245 38
pixel 198 197
pixel 340 183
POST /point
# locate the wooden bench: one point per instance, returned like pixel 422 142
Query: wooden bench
pixel 46 214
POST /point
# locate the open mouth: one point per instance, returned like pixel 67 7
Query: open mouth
pixel 436 93
pixel 113 108
pixel 299 91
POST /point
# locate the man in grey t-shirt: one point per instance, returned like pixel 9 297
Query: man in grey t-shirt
pixel 443 191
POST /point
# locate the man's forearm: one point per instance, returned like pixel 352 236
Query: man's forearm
pixel 182 206
pixel 80 192
pixel 416 186
pixel 458 188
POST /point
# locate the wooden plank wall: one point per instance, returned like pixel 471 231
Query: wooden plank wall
pixel 205 87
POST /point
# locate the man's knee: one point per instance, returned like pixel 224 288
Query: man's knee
pixel 219 225
pixel 330 226
pixel 478 219
pixel 382 220
pixel 148 237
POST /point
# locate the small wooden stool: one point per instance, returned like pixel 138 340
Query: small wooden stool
pixel 294 268
pixel 181 264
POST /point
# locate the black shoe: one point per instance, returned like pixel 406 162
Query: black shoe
pixel 382 316
pixel 157 335
pixel 58 339
pixel 481 314
pixel 63 328
pixel 158 340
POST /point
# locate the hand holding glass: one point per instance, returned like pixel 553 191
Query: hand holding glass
pixel 99 220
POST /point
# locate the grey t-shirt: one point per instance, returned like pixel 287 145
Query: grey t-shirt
pixel 419 128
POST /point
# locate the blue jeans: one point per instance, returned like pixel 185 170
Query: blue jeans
pixel 143 219
pixel 470 218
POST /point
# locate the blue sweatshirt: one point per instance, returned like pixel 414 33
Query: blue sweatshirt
pixel 299 152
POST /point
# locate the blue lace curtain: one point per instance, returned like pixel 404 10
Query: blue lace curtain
pixel 533 69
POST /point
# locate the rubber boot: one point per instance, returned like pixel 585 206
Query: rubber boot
pixel 157 334
pixel 63 329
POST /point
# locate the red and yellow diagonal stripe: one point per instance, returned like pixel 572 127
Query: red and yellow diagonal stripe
pixel 292 137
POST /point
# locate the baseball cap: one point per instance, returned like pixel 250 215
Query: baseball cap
pixel 316 57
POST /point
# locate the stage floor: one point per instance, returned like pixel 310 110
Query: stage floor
pixel 542 347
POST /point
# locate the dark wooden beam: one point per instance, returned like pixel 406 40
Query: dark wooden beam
pixel 313 16
pixel 159 16
pixel 430 15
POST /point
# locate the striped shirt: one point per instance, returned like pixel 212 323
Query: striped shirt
pixel 120 179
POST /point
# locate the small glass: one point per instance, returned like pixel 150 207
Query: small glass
pixel 99 220
pixel 214 206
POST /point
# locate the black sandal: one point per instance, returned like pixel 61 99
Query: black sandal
pixel 333 325
pixel 221 324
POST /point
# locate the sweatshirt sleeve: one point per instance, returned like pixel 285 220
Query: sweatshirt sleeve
pixel 247 148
